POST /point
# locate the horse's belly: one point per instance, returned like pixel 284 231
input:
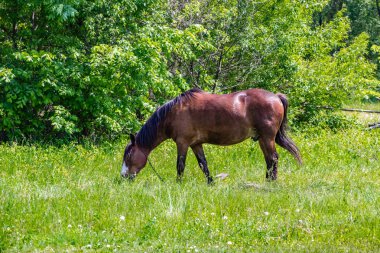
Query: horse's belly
pixel 230 137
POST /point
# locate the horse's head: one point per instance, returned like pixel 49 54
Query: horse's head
pixel 134 159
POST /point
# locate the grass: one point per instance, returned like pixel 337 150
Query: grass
pixel 71 199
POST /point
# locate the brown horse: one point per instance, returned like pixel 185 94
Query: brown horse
pixel 196 117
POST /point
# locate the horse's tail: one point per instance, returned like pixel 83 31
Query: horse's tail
pixel 282 138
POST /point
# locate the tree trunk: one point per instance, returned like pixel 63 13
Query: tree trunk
pixel 218 70
pixel 14 35
pixel 335 7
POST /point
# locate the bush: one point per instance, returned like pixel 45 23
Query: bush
pixel 85 69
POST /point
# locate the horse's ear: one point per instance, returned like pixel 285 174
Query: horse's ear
pixel 133 139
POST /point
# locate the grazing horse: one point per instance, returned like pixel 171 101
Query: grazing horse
pixel 196 117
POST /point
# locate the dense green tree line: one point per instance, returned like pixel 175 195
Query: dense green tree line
pixel 79 68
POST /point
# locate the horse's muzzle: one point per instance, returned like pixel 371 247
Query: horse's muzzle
pixel 131 177
pixel 124 170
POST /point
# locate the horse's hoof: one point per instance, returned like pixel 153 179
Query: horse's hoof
pixel 210 181
pixel 271 177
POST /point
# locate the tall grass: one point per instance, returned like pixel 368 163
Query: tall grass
pixel 72 199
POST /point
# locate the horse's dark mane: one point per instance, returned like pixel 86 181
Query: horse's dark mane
pixel 148 133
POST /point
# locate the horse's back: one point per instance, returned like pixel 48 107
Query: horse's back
pixel 224 119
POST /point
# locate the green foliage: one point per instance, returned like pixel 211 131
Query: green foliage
pixel 329 79
pixel 94 69
pixel 101 91
pixel 365 17
pixel 328 119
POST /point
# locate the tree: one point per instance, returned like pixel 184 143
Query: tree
pixel 77 68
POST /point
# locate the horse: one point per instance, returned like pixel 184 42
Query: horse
pixel 197 117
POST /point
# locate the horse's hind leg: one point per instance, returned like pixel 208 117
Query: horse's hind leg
pixel 181 159
pixel 268 147
pixel 200 155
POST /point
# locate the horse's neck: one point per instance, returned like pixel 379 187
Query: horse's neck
pixel 161 137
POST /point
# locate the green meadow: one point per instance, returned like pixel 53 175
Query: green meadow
pixel 71 199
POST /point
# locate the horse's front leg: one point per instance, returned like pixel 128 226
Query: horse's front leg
pixel 198 151
pixel 181 159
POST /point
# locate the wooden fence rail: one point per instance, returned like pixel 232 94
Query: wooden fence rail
pixel 370 126
pixel 348 109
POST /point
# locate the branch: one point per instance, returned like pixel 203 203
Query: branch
pixel 374 125
pixel 218 70
pixel 348 109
